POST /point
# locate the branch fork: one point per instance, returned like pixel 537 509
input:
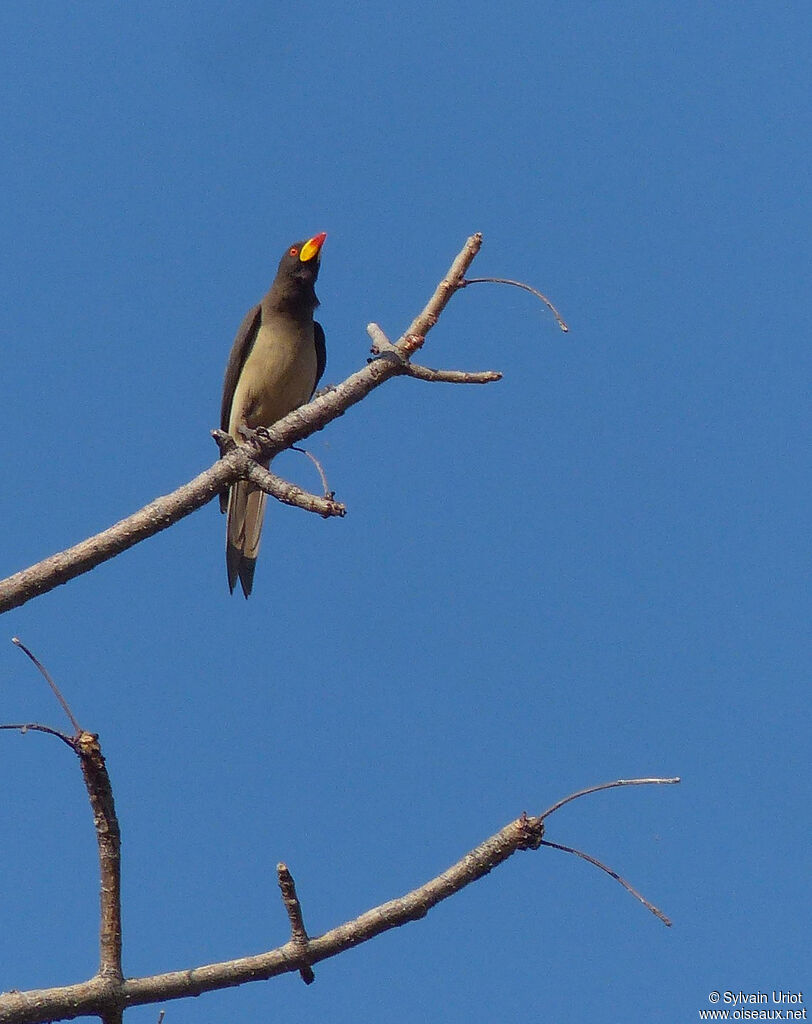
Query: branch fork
pixel 244 458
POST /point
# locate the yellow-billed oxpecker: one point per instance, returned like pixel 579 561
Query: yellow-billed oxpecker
pixel 276 361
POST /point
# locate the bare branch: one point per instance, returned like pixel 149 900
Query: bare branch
pixel 108 838
pixel 298 932
pixel 235 464
pixel 160 514
pixel 93 997
pixel 452 282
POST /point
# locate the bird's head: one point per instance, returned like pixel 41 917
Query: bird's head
pixel 300 262
pixel 293 288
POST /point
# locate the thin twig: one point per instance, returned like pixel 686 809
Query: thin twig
pixel 328 494
pixel 608 785
pixel 298 932
pixel 54 688
pixel 527 288
pixel 34 727
pixel 592 860
pixel 618 878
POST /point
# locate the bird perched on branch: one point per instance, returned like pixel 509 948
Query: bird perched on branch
pixel 276 361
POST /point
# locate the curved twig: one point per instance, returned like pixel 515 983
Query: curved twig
pixel 25 727
pixel 609 785
pixel 618 878
pixel 48 679
pixel 527 288
pixel 328 494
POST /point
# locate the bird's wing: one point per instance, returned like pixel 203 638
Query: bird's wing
pixel 321 353
pixel 243 343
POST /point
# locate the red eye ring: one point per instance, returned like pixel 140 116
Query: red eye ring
pixel 293 251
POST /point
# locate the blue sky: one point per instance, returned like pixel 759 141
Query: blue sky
pixel 596 568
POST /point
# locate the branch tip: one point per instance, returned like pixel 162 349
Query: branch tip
pixel 608 785
pixel 49 680
pixel 25 727
pixel 298 932
pixel 618 878
pixel 225 442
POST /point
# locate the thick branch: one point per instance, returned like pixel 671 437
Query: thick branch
pixel 235 464
pixel 453 376
pixel 298 932
pixel 104 991
pixel 108 838
pixel 89 998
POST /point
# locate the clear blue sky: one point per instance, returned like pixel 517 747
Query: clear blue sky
pixel 597 568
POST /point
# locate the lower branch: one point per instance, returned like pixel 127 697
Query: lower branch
pixel 290 494
pixel 94 998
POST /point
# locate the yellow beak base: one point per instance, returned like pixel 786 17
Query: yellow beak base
pixel 312 247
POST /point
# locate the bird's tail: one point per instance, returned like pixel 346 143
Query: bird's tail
pixel 246 510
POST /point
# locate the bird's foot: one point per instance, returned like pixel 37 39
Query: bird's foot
pixel 252 433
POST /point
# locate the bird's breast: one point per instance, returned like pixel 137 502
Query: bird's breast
pixel 278 376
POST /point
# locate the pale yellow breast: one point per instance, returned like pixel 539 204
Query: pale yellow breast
pixel 277 377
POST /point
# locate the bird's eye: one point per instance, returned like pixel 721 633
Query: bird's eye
pixel 293 251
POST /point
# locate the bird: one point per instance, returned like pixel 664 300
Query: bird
pixel 275 365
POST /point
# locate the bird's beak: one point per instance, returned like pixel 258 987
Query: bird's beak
pixel 312 247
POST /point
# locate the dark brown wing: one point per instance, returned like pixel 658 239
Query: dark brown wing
pixel 243 343
pixel 321 352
